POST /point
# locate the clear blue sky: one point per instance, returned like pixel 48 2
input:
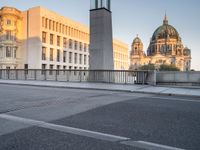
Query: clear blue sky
pixel 131 17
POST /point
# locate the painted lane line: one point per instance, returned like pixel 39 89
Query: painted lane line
pixel 176 99
pixel 90 134
pixel 66 129
pixel 149 145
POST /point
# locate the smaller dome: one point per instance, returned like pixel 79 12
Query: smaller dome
pixel 186 51
pixel 137 40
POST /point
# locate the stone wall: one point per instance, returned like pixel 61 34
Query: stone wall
pixel 178 78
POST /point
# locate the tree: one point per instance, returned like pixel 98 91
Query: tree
pixel 165 67
pixel 148 67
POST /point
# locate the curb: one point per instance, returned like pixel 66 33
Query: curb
pixel 102 89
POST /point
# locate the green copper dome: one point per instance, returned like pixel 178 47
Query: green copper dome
pixel 165 31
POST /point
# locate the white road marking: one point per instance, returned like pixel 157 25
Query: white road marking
pixel 76 131
pixel 87 133
pixel 176 99
pixel 148 145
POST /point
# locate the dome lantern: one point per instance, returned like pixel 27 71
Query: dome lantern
pixel 165 21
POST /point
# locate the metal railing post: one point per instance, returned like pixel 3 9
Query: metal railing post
pixel 35 74
pixel 143 78
pixel 0 74
pixel 45 75
pixel 155 77
pixel 8 74
pixel 125 77
pixel 56 75
pixel 16 74
pixel 109 76
pixel 25 71
pixel 80 74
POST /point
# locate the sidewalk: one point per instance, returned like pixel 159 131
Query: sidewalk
pixel 184 91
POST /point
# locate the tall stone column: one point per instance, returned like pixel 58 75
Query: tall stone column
pixel 101 39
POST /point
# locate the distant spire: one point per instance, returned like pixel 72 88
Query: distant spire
pixel 165 21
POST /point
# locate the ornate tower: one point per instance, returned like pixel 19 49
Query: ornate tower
pixel 101 47
pixel 10 35
pixel 137 54
pixel 137 47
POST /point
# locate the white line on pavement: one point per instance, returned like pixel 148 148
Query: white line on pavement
pixel 87 133
pixel 149 145
pixel 76 131
pixel 176 99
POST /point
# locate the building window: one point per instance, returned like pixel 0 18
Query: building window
pixel 8 51
pixel 51 39
pixel 44 34
pixel 80 59
pixel 64 42
pixel 85 59
pixel 75 58
pixel 75 45
pixel 8 22
pixel 46 22
pixel 25 66
pixel 56 27
pixel 43 53
pixel 85 47
pixel 51 54
pixel 70 57
pixel 53 25
pixel 50 24
pixel 8 35
pixel 80 46
pixel 64 56
pixel 60 26
pixel 70 43
pixel 58 55
pixel 58 40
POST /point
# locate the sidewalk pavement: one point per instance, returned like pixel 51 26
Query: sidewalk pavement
pixel 163 90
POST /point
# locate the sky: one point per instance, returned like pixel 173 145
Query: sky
pixel 132 17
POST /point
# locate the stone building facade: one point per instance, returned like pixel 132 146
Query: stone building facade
pixel 41 39
pixel 165 47
pixel 10 37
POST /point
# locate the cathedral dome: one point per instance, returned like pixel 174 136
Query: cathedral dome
pixel 165 31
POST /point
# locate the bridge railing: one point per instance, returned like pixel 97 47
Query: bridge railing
pixel 107 76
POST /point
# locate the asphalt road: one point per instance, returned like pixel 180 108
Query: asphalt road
pixel 41 118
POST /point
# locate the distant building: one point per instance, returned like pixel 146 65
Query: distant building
pixel 41 39
pixel 121 55
pixel 165 47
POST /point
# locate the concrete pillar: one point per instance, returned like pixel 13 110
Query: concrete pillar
pixel 101 41
pixel 101 47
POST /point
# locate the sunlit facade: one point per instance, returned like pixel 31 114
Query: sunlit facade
pixel 10 38
pixel 41 39
pixel 121 57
